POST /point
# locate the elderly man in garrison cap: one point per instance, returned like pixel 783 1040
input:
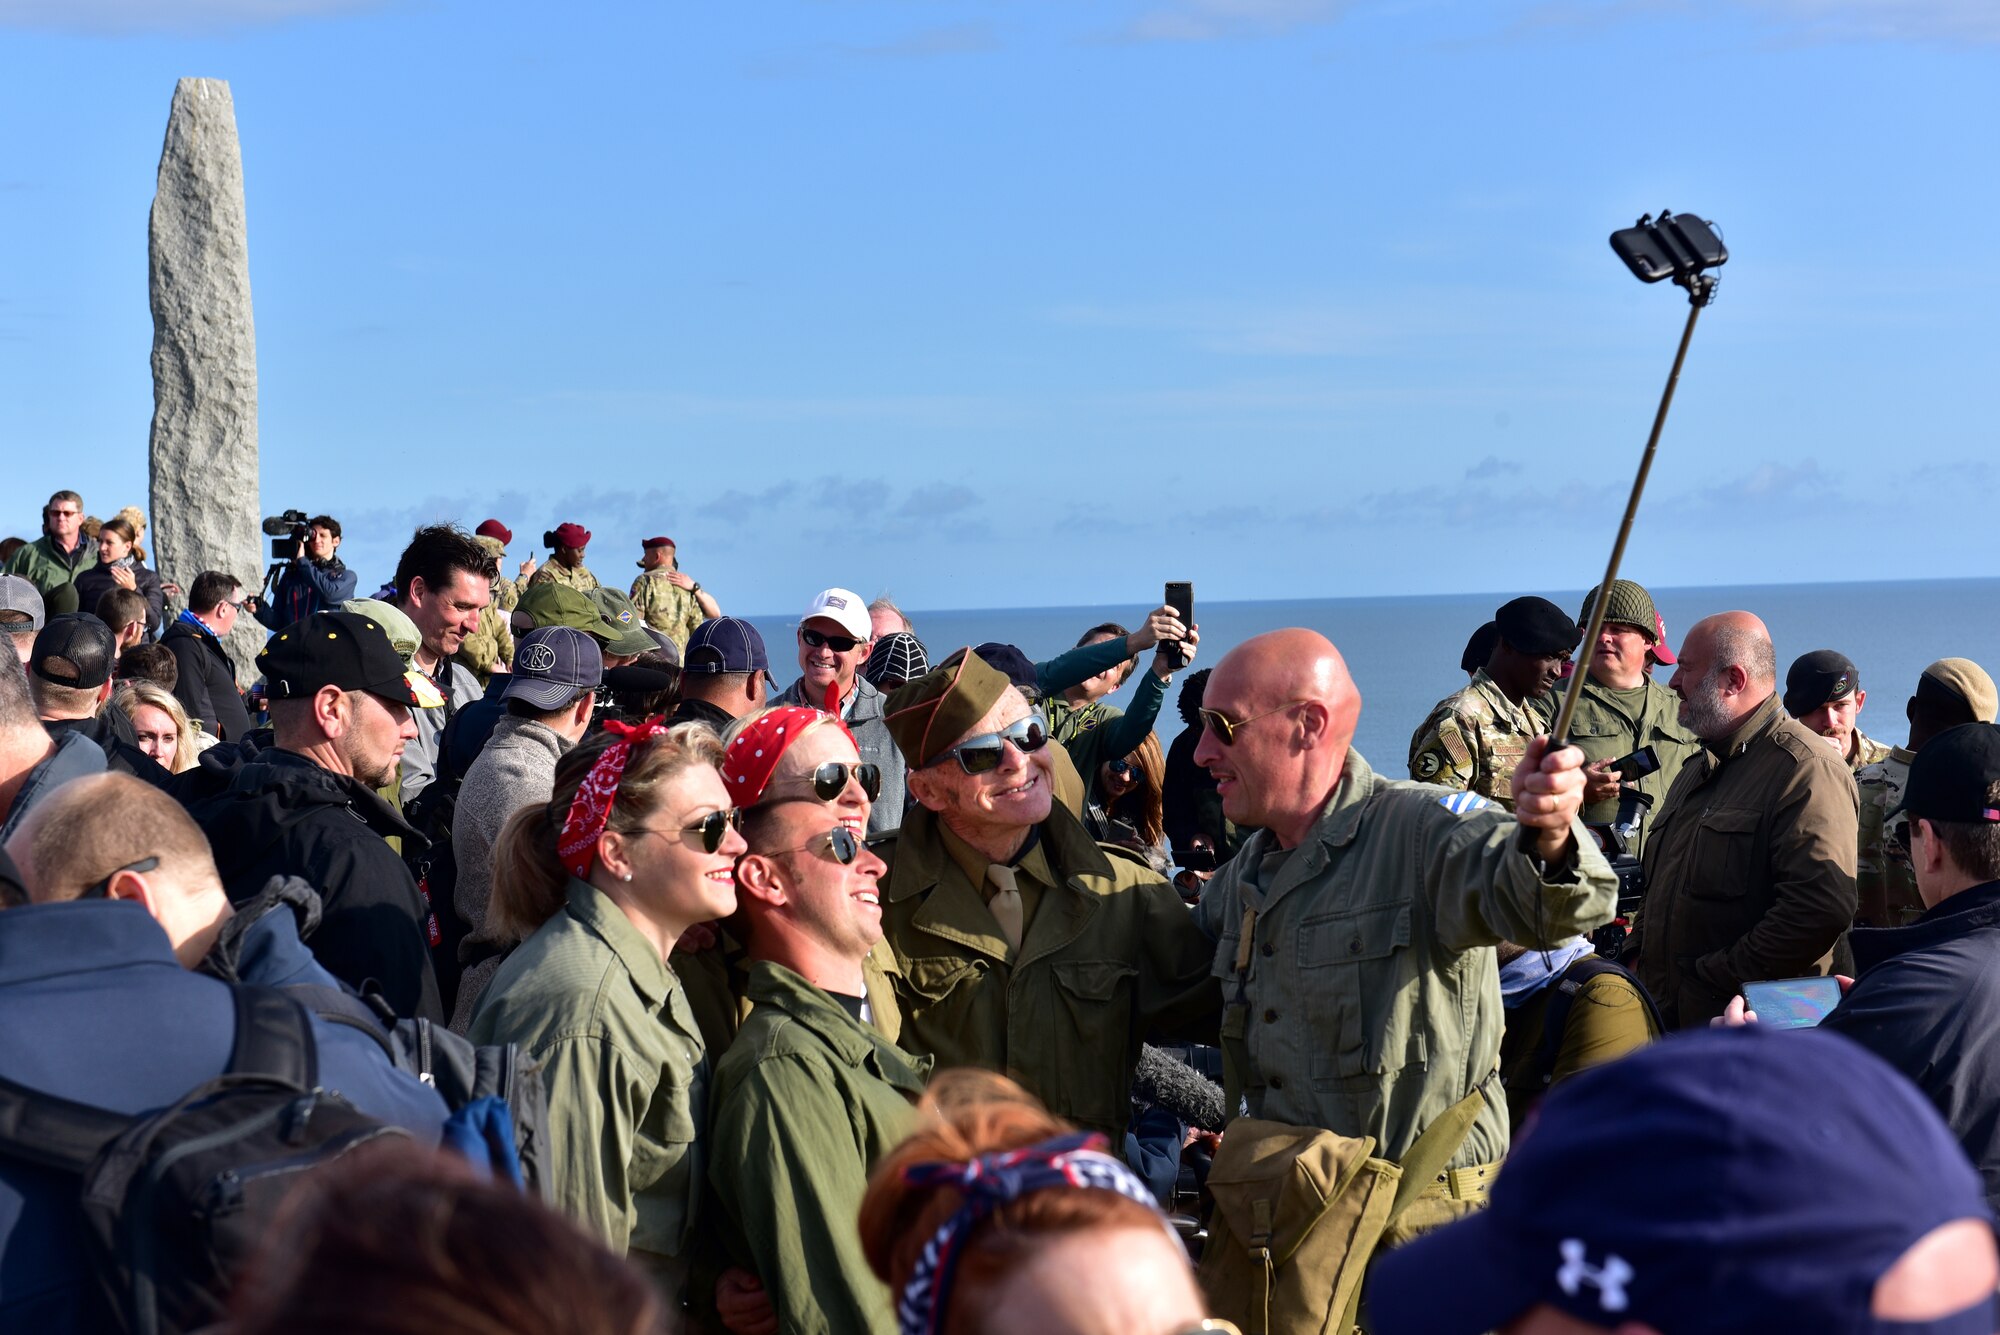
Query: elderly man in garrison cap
pixel 1474 738
pixel 1823 691
pixel 1024 946
pixel 1623 709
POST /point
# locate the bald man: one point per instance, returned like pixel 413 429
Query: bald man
pixel 1750 863
pixel 1356 930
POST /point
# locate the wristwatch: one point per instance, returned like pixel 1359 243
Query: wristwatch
pixel 695 587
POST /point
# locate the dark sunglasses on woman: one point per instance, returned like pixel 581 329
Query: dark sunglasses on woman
pixel 1124 769
pixel 829 781
pixel 840 644
pixel 983 754
pixel 712 826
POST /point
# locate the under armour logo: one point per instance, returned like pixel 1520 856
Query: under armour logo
pixel 539 658
pixel 1608 1279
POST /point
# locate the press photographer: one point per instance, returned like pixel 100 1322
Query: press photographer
pixel 312 578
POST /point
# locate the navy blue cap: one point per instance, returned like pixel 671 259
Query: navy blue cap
pixel 1722 1181
pixel 725 644
pixel 1011 663
pixel 552 666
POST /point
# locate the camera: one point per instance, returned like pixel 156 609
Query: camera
pixel 286 532
pixel 1614 940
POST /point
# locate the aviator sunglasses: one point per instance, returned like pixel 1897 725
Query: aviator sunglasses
pixel 840 644
pixel 710 827
pixel 1226 728
pixel 982 754
pixel 829 781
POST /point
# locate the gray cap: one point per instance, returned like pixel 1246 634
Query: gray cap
pixel 18 595
pixel 552 666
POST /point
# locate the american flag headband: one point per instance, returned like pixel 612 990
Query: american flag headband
pixel 989 1182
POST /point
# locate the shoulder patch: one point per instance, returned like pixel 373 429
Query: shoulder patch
pixel 1462 804
pixel 1454 743
pixel 1428 766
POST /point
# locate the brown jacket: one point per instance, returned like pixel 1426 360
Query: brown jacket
pixel 1749 867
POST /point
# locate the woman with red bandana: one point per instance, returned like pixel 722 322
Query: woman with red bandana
pixel 638 844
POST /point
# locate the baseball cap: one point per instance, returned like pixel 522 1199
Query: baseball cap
pixel 1964 680
pixel 553 604
pixel 552 666
pixel 1950 778
pixel 346 650
pixel 404 637
pixel 1011 663
pixel 1819 678
pixel 1786 1171
pixel 628 636
pixel 845 608
pixel 1630 605
pixel 18 595
pixel 76 650
pixel 493 528
pixel 1536 627
pixel 725 644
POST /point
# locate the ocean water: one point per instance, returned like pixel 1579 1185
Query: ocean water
pixel 1404 652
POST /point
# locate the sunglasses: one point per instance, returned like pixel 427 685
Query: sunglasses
pixel 102 889
pixel 840 644
pixel 983 754
pixel 711 827
pixel 840 841
pixel 829 781
pixel 1124 769
pixel 1226 728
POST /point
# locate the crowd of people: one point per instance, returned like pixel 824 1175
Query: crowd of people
pixel 510 952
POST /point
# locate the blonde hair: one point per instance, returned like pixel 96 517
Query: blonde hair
pixel 133 693
pixel 530 882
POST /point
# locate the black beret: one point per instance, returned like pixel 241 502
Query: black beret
pixel 1536 627
pixel 1818 678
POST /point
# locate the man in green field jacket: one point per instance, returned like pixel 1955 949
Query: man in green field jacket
pixel 1368 991
pixel 1024 947
pixel 810 1093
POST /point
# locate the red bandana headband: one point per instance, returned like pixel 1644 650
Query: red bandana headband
pixel 753 756
pixel 591 807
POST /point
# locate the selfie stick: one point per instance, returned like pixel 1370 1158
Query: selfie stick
pixel 1701 290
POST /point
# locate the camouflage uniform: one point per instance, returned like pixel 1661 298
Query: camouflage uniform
pixel 668 609
pixel 1888 888
pixel 1867 751
pixel 555 571
pixel 493 642
pixel 1473 740
pixel 506 594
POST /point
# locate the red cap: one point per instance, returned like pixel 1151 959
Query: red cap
pixel 493 528
pixel 572 535
pixel 1661 652
pixel 657 542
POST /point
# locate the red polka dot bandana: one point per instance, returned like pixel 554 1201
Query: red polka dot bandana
pixel 751 759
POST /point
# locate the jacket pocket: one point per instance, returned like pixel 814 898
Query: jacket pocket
pixel 1725 849
pixel 1090 1046
pixel 1359 993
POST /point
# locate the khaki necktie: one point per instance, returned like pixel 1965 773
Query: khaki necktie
pixel 1005 901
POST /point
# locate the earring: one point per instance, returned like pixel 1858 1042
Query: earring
pixel 626 877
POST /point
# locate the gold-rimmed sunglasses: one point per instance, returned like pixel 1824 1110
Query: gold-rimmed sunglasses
pixel 1226 728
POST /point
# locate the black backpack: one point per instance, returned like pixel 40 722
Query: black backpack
pixel 176 1201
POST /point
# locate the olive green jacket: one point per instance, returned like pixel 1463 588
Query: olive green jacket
pixel 1110 959
pixel 589 998
pixel 1610 725
pixel 805 1102
pixel 1372 988
pixel 43 566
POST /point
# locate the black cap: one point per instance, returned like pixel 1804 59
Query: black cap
pixel 74 649
pixel 1012 664
pixel 1953 776
pixel 1818 678
pixel 343 649
pixel 1537 627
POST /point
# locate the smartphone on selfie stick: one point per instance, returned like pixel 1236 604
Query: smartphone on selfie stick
pixel 1180 597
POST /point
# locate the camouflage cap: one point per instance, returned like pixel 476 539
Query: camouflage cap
pixel 1631 605
pixel 629 637
pixel 404 637
pixel 1965 680
pixel 554 604
pixel 928 716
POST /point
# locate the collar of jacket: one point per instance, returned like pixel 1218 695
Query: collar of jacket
pixel 313 780
pixel 1338 824
pixel 865 702
pixel 1497 700
pixel 1970 910
pixel 527 732
pixel 79 937
pixel 772 984
pixel 74 757
pixel 593 909
pixel 949 907
pixel 1762 720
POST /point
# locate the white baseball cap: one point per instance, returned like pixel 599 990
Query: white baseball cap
pixel 844 606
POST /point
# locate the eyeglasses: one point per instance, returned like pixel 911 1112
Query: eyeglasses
pixel 709 827
pixel 829 781
pixel 102 889
pixel 983 754
pixel 1124 769
pixel 839 841
pixel 840 644
pixel 1226 728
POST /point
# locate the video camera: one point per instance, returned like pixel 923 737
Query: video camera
pixel 286 531
pixel 1614 940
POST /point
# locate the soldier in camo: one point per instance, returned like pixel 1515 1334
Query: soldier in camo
pixel 567 541
pixel 671 603
pixel 492 643
pixel 1823 691
pixel 1951 691
pixel 1475 738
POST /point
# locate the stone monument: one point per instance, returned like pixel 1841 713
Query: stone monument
pixel 204 443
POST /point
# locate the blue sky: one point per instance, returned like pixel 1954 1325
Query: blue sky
pixel 1000 303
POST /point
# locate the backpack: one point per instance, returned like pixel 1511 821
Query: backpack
pixel 1562 997
pixel 463 1073
pixel 176 1201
